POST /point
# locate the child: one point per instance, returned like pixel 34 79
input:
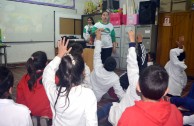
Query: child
pixel 152 110
pixel 77 49
pixel 107 37
pixel 103 76
pixel 144 59
pixel 71 103
pixel 12 114
pixel 176 69
pixel 30 90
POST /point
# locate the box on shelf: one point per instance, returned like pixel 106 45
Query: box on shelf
pixel 165 5
pixel 115 18
pixel 132 19
pixel 178 5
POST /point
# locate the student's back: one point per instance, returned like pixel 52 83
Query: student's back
pixel 151 114
pixel 11 113
pixel 30 90
pixel 72 104
pixel 152 110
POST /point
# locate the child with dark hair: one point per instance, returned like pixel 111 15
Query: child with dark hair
pixel 30 90
pixel 103 77
pixel 144 59
pixel 12 114
pixel 107 36
pixel 152 110
pixel 72 104
pixel 77 49
pixel 176 69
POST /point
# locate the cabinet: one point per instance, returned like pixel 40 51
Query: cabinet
pixel 149 40
pixel 171 26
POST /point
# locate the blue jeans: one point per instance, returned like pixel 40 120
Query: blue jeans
pixel 104 111
pixel 187 102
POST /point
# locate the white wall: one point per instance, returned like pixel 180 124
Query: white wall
pixel 20 52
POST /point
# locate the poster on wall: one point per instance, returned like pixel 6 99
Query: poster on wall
pixel 70 4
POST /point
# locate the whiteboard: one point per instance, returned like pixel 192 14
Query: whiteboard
pixel 25 23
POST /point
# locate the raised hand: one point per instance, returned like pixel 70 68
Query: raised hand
pixel 180 42
pixel 139 38
pixel 98 34
pixel 131 36
pixel 62 48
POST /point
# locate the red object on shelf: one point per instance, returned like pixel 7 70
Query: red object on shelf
pixel 115 18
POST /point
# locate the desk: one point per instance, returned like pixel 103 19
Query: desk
pixel 4 53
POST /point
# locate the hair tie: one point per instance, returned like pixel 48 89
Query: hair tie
pixel 32 58
pixel 72 59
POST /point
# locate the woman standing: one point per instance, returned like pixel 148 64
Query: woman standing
pixel 88 29
pixel 107 36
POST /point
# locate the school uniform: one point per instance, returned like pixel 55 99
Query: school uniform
pixel 188 120
pixel 131 95
pixel 176 72
pixel 102 80
pixel 36 99
pixel 79 110
pixel 13 114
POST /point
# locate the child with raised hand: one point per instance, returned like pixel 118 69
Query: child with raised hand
pixel 176 69
pixel 103 77
pixel 152 110
pixel 130 95
pixel 30 90
pixel 12 114
pixel 71 103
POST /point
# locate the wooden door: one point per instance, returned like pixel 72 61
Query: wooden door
pixel 190 50
pixel 164 37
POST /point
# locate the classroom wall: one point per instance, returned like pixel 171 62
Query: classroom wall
pixel 20 51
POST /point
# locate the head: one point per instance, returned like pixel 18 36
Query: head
pixel 151 57
pixel 6 83
pixel 182 56
pixel 77 48
pixel 70 73
pixel 110 64
pixel 90 21
pixel 105 17
pixel 153 82
pixel 35 66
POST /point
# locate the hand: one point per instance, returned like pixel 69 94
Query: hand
pixel 139 38
pixel 131 36
pixel 180 42
pixel 98 34
pixel 101 29
pixel 62 48
pixel 114 50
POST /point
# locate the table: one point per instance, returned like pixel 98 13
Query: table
pixel 4 53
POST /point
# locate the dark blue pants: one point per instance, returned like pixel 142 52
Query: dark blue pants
pixel 104 111
pixel 187 102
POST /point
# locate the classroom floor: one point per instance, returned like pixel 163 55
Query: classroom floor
pixel 19 71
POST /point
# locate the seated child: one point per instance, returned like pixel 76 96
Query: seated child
pixel 103 77
pixel 152 110
pixel 30 90
pixel 72 104
pixel 176 69
pixel 12 114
